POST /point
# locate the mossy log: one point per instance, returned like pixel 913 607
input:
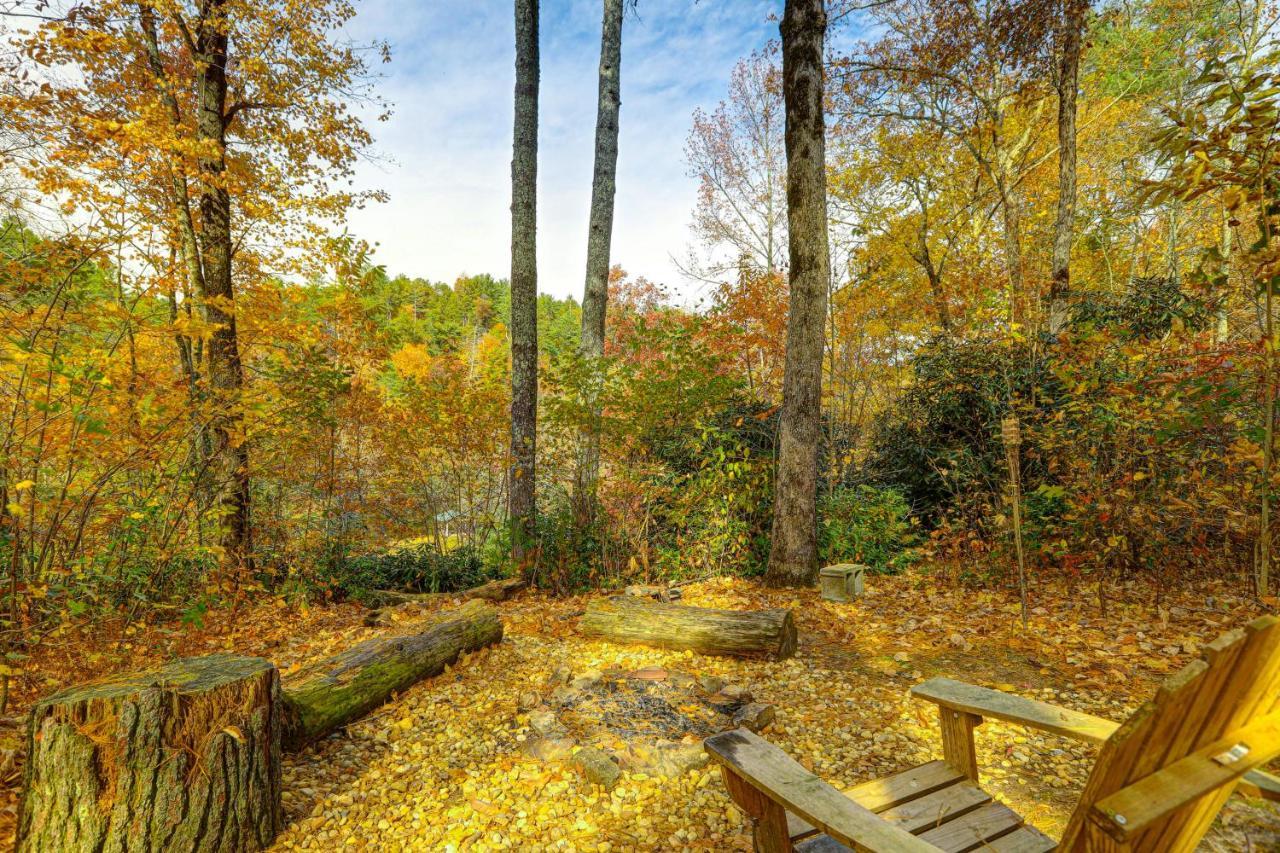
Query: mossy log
pixel 630 619
pixel 181 758
pixel 337 690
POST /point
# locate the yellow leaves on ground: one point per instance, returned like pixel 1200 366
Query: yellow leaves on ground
pixel 442 766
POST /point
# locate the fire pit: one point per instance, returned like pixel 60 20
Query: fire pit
pixel 648 720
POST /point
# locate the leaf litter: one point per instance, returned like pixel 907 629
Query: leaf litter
pixel 441 766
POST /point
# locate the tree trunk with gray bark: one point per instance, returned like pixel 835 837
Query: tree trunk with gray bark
pixel 1071 33
pixel 524 292
pixel 183 758
pixel 793 555
pixel 595 297
pixel 217 296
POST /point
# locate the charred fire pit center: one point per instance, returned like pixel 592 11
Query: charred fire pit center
pixel 649 720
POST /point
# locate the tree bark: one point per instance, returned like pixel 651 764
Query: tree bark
pixel 339 689
pixel 184 758
pixel 1011 214
pixel 595 296
pixel 631 619
pixel 1071 34
pixel 793 555
pixel 225 371
pixel 524 292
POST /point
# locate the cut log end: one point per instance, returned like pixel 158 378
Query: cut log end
pixel 629 619
pixel 184 757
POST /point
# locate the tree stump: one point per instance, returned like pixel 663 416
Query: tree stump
pixel 628 619
pixel 181 758
pixel 337 690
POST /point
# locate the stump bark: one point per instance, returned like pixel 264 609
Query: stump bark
pixel 337 690
pixel 629 619
pixel 181 758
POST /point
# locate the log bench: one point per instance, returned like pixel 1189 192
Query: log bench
pixel 708 631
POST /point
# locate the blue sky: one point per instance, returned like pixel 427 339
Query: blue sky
pixel 449 141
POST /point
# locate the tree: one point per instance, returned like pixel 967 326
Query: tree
pixel 793 555
pixel 1226 142
pixel 595 295
pixel 1070 33
pixel 202 140
pixel 226 372
pixel 737 155
pixel 963 68
pixel 524 291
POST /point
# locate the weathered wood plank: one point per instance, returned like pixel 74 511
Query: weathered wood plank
pixel 1135 807
pixel 1260 785
pixel 1122 749
pixel 877 795
pixel 822 844
pixel 957 740
pixel 628 619
pixel 1046 717
pixel 933 810
pixel 1024 839
pixel 985 702
pixel 783 780
pixel 768 818
pixel 971 830
pixel 1256 689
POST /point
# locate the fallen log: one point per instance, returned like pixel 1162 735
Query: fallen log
pixel 185 757
pixel 328 694
pixel 498 590
pixel 630 619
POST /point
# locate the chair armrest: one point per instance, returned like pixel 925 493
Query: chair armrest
pixel 781 779
pixel 1259 784
pixel 958 696
pixel 1140 804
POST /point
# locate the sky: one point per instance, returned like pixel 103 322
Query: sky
pixel 445 155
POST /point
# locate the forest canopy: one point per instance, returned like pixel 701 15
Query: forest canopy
pixel 211 388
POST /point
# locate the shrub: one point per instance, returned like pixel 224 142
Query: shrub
pixel 867 525
pixel 417 567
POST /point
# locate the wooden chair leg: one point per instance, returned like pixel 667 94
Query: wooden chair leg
pixel 768 819
pixel 957 740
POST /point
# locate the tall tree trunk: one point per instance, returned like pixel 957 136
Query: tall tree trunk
pixel 1071 34
pixel 595 295
pixel 793 556
pixel 225 371
pixel 1011 213
pixel 524 289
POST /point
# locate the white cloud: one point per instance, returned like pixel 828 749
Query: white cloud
pixel 450 138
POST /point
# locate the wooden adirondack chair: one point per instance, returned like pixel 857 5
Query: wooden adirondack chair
pixel 1159 780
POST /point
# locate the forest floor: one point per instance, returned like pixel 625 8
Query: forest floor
pixel 441 766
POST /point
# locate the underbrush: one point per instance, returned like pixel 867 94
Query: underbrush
pixel 416 567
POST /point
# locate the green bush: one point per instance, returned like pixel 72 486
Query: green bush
pixel 412 568
pixel 867 525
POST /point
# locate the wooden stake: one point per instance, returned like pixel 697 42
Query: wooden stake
pixel 1012 440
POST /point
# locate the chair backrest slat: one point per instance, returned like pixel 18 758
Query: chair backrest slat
pixel 1238 679
pixel 1252 692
